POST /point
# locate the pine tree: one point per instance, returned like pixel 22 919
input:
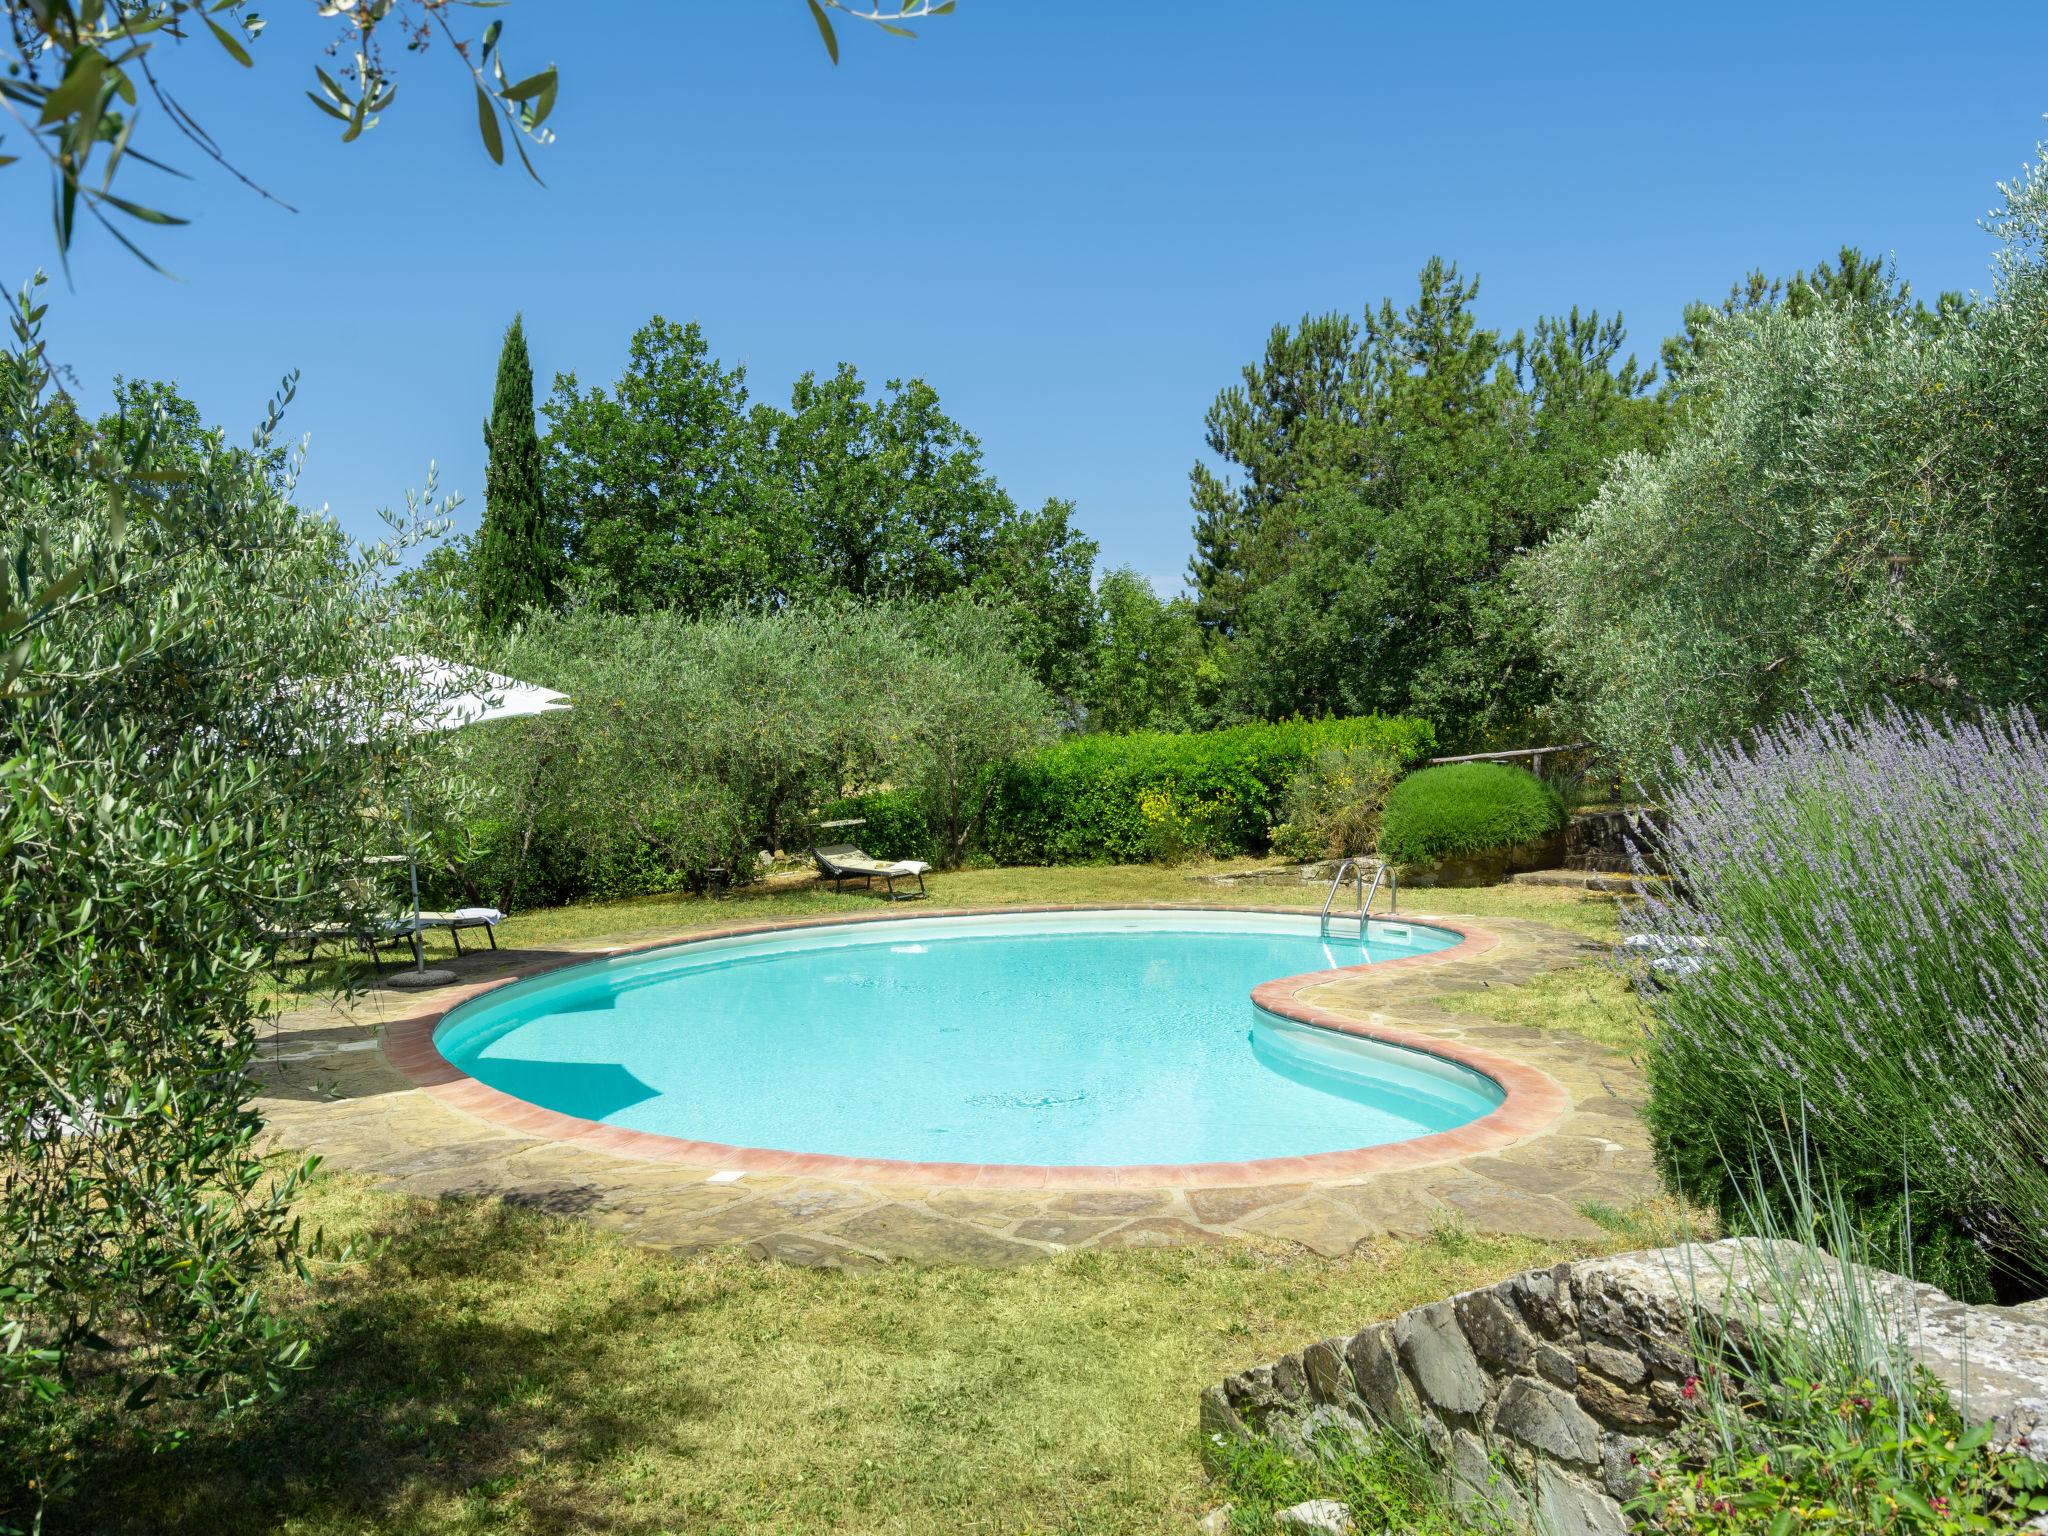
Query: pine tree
pixel 516 554
pixel 1380 479
pixel 1291 419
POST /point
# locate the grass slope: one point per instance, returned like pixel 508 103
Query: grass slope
pixel 480 1368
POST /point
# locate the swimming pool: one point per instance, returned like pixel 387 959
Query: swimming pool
pixel 1056 1038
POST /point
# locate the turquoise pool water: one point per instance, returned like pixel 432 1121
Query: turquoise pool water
pixel 1046 1038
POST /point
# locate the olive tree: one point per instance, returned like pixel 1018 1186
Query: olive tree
pixel 698 744
pixel 194 724
pixel 970 706
pixel 1853 512
pixel 694 745
pixel 75 75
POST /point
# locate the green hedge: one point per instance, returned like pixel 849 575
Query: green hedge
pixel 1466 808
pixel 896 826
pixel 1085 800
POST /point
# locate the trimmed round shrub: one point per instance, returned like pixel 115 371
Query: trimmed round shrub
pixel 1459 808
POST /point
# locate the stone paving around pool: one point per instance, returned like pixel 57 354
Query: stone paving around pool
pixel 330 1089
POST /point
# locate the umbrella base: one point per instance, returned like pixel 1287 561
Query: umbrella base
pixel 429 978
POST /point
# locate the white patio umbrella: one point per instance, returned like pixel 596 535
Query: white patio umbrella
pixel 494 697
pixel 490 697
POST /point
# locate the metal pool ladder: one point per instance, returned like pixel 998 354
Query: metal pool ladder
pixel 1353 870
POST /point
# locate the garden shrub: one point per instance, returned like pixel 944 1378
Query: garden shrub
pixel 1809 1410
pixel 1845 1461
pixel 1850 964
pixel 1296 843
pixel 1457 808
pixel 1084 799
pixel 1181 826
pixel 1333 806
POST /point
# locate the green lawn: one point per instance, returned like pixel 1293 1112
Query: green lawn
pixel 485 1369
pixel 1084 884
pixel 481 1368
pixel 1589 1000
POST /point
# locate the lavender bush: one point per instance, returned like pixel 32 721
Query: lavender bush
pixel 1853 966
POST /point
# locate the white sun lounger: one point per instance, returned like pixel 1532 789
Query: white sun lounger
pixel 843 862
pixel 486 918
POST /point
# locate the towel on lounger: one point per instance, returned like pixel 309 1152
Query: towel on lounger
pixel 463 917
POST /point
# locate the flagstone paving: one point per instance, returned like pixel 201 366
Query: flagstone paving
pixel 329 1088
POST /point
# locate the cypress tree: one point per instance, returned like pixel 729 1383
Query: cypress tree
pixel 516 558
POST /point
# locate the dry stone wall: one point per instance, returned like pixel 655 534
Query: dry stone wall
pixel 1562 1376
pixel 1606 841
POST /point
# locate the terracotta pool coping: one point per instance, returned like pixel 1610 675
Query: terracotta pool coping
pixel 1531 1099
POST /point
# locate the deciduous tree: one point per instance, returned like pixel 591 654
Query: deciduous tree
pixel 1388 474
pixel 1150 666
pixel 676 489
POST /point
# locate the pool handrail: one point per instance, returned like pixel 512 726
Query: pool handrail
pixel 1355 869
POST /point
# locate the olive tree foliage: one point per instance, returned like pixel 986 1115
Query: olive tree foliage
pixel 1853 513
pixel 75 76
pixel 1857 284
pixel 697 744
pixel 78 72
pixel 194 727
pixel 971 707
pixel 692 745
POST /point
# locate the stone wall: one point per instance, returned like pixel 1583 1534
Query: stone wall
pixel 1561 1375
pixel 1488 866
pixel 1600 840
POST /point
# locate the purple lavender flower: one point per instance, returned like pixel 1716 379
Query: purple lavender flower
pixel 1871 894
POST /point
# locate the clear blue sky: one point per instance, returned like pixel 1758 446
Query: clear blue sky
pixel 1076 220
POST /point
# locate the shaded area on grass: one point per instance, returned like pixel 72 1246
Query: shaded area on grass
pixel 484 1368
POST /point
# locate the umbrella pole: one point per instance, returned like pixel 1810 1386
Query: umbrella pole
pixel 412 864
pixel 419 975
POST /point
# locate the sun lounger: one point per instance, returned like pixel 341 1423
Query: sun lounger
pixel 403 929
pixel 486 918
pixel 390 931
pixel 843 862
